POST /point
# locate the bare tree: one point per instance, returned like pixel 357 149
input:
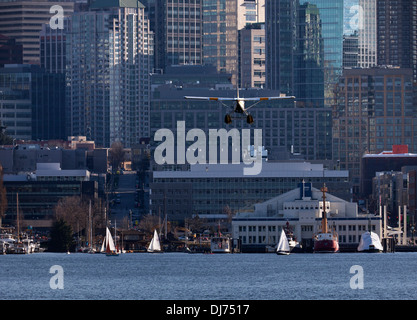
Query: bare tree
pixel 149 223
pixel 117 154
pixel 75 212
pixel 227 211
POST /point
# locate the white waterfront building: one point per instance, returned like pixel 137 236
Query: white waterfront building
pixel 302 208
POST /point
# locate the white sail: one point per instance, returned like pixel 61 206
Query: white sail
pixel 154 246
pixel 108 242
pixel 103 246
pixel 283 245
pixel 370 242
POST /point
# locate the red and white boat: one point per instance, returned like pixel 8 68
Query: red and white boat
pixel 326 241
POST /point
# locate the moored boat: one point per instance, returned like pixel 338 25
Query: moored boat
pixel 370 242
pixel 221 244
pixel 325 241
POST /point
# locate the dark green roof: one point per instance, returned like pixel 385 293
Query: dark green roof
pixel 116 3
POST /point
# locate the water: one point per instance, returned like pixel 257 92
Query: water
pixel 181 276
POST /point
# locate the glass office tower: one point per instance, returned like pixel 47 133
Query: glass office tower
pixel 288 24
pixel 331 15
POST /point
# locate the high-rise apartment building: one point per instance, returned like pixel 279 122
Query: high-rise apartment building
pixel 397 34
pixel 350 50
pixel 222 21
pixel 252 56
pixel 367 35
pixel 373 111
pixel 178 31
pixel 109 61
pixel 250 11
pixel 220 36
pixel 23 20
pixel 360 21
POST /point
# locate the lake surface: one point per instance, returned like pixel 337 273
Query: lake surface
pixel 181 276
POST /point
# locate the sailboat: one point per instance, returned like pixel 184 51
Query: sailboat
pixel 283 247
pixel 108 246
pixel 155 245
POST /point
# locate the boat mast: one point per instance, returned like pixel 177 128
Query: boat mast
pixel 90 227
pixel 17 217
pixel 324 218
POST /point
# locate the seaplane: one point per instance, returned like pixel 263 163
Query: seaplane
pixel 238 107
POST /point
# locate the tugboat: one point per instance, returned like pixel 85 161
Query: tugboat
pixel 326 241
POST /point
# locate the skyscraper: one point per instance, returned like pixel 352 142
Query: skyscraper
pixel 178 31
pixel 280 20
pixel 23 20
pixel 309 57
pixel 397 34
pixel 360 22
pixel 252 56
pixel 288 23
pixel 32 102
pixel 373 111
pixel 220 36
pixel 109 60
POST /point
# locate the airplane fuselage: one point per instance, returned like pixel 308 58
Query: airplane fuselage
pixel 240 106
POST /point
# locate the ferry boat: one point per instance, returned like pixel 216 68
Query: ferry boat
pixel 326 241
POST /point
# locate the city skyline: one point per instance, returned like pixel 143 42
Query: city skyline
pixel 127 65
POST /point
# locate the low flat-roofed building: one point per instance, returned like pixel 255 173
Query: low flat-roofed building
pixel 37 193
pixel 302 208
pixel 207 189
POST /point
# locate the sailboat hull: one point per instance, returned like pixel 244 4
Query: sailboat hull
pixel 283 253
pixel 112 254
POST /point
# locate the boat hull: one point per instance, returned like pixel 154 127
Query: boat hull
pixel 371 251
pixel 326 246
pixel 282 253
pixel 155 251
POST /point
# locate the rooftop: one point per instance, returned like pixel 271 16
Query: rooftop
pixel 269 169
pixel 97 4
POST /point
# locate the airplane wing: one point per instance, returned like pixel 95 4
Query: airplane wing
pixel 267 98
pixel 210 98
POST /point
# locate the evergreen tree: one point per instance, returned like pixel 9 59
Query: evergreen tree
pixel 61 237
pixel 4 138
